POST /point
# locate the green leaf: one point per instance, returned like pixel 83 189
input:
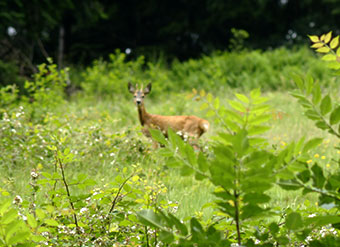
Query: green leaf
pixel 31 221
pixel 258 129
pixel 150 218
pixel 324 49
pixel 312 114
pixel 190 154
pixel 209 97
pixel 318 177
pixel 298 146
pixel 323 220
pixel 251 210
pixel 20 237
pixel 66 151
pixel 179 225
pixel 314 38
pixel 335 116
pixel 240 143
pixel 217 103
pixel 260 119
pixel 196 228
pixel 173 162
pixel 158 136
pixel 242 98
pixel 334 65
pixel 294 221
pixel 274 228
pixel 165 152
pixel 202 93
pixel 210 113
pixel 298 81
pixel 317 45
pixel 255 93
pixel 329 57
pixel 311 144
pixel 4 206
pixel 51 222
pixel 12 228
pixel 175 141
pixel 328 37
pixel 81 177
pixel 204 106
pixel 166 237
pixel 237 106
pixel 202 163
pixel 40 213
pixel 309 83
pixel 10 215
pixel 289 185
pixel 186 171
pixel 316 94
pixel 304 176
pixel 322 125
pixel 326 105
pixel 255 197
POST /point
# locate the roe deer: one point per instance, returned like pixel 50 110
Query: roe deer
pixel 186 126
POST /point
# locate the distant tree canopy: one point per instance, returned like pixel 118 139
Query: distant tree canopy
pixel 77 32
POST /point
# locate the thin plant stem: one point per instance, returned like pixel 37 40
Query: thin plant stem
pixel 67 189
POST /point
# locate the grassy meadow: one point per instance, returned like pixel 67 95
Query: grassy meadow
pixel 103 134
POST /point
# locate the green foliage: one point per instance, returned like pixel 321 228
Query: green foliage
pixel 110 78
pixel 236 43
pixel 13 229
pixel 246 70
pixel 323 110
pixel 46 91
pixel 90 179
pixel 328 45
pixel 8 96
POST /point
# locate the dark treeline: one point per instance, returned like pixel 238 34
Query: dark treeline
pixel 76 32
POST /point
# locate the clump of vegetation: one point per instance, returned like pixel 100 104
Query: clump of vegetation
pixel 79 172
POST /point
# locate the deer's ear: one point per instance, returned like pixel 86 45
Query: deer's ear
pixel 147 89
pixel 131 88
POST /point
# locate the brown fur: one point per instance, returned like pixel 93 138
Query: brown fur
pixel 191 126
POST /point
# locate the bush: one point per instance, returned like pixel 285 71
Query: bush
pixel 269 70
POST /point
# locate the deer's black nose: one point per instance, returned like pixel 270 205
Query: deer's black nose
pixel 138 102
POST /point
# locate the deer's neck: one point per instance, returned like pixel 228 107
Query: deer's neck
pixel 142 114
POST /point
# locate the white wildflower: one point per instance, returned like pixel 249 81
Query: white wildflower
pixel 311 215
pixel 17 200
pixel 112 154
pixel 34 174
pixel 22 216
pixel 84 210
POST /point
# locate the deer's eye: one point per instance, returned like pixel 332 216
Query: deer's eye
pixel 143 96
pixel 134 96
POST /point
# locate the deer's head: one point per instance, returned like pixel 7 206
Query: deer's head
pixel 139 94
